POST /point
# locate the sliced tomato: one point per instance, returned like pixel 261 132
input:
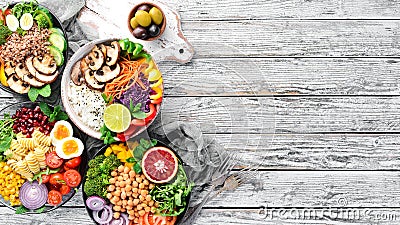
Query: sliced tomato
pixel 74 162
pixel 45 178
pixel 151 114
pixel 72 178
pixel 56 178
pixel 65 189
pixel 65 168
pixel 172 220
pixel 7 12
pixel 156 101
pixel 141 220
pixel 148 218
pixel 53 160
pixel 159 220
pixel 54 197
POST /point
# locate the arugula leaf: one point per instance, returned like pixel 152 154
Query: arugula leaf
pixel 33 92
pixel 47 172
pixel 21 210
pixel 41 210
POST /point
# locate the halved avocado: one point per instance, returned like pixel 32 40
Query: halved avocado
pixel 112 53
pixel 45 65
pixel 18 85
pixel 107 73
pixel 91 82
pixel 41 78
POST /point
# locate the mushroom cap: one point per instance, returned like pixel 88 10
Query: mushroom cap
pixel 107 73
pixel 76 75
pixel 91 82
pixel 21 71
pixel 42 78
pixel 95 58
pixel 45 65
pixel 9 68
pixel 18 85
pixel 112 53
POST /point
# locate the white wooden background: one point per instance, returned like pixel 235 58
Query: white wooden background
pixel 319 109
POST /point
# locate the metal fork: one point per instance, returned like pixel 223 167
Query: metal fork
pixel 231 183
pixel 218 178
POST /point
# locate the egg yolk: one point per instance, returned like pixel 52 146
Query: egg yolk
pixel 61 132
pixel 70 147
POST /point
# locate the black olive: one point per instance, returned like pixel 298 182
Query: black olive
pixel 144 8
pixel 154 30
pixel 140 33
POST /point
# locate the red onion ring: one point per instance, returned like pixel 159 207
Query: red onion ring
pixel 95 203
pixel 32 195
pixel 106 215
pixel 125 216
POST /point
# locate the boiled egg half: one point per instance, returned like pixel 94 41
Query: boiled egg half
pixel 69 147
pixel 62 129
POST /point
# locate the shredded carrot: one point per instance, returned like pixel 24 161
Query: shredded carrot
pixel 128 77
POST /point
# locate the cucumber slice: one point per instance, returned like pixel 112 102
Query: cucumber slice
pixel 55 30
pixel 57 54
pixel 58 41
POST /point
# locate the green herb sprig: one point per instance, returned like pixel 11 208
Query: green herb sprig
pixel 107 135
pixel 34 93
pixel 138 153
pixel 55 114
pixel 6 135
pixel 136 112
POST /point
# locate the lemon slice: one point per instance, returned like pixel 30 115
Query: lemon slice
pixel 26 21
pixel 12 22
pixel 117 118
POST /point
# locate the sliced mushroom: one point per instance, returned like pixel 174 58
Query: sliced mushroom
pixel 112 53
pixel 32 78
pixel 95 58
pixel 46 78
pixel 9 68
pixel 107 73
pixel 21 71
pixel 76 75
pixel 91 82
pixel 45 65
pixel 18 85
pixel 103 49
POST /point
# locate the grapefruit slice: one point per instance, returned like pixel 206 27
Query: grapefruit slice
pixel 159 165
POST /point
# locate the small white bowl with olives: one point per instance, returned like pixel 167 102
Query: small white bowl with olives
pixel 146 21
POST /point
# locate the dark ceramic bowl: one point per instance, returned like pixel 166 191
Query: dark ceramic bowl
pixel 162 25
pixel 11 109
pixel 101 151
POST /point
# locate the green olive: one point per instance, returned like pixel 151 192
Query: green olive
pixel 134 23
pixel 156 15
pixel 143 18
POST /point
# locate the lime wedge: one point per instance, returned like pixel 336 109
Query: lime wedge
pixel 117 118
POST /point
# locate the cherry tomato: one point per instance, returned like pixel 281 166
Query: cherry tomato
pixel 65 189
pixel 53 160
pixel 45 178
pixel 54 186
pixel 54 197
pixel 56 178
pixel 156 101
pixel 74 162
pixel 72 178
pixel 121 137
pixel 151 114
pixel 7 12
pixel 65 168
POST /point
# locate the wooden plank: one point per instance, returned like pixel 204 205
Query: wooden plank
pixel 288 76
pixel 309 189
pixel 276 9
pixel 277 38
pixel 383 216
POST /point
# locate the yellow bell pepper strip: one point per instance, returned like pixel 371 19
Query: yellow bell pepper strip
pixel 3 78
pixel 159 82
pixel 157 95
pixel 154 75
pixel 151 66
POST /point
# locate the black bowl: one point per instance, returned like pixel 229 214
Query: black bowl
pixel 10 109
pixel 54 85
pixel 101 151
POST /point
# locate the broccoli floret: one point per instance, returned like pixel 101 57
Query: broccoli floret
pixel 41 21
pixel 95 187
pixel 98 160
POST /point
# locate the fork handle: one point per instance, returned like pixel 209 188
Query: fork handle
pixel 194 211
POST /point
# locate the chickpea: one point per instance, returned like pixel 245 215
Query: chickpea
pixel 136 220
pixel 148 198
pixel 129 193
pixel 115 199
pixel 119 203
pixel 153 209
pixel 124 202
pixel 130 217
pixel 142 212
pixel 112 180
pixel 156 204
pixel 139 180
pixel 135 195
pixel 141 186
pixel 117 193
pixel 144 205
pixel 128 187
pixel 111 188
pixel 147 209
pixel 143 176
pixel 137 175
pixel 121 168
pixel 139 207
pixel 125 176
pixel 118 188
pixel 131 212
pixel 151 186
pixel 123 195
pixel 126 170
pixel 122 183
pixel 123 190
pixel 151 203
pixel 114 173
pixel 135 190
pixel 117 208
pixel 120 178
pixel 144 193
pixel 130 202
pixel 117 215
pixel 128 207
pixel 123 210
pixel 109 195
pixel 132 174
pixel 146 182
pixel 135 184
pixel 128 181
pixel 137 214
pixel 141 198
pixel 135 202
pixel 117 183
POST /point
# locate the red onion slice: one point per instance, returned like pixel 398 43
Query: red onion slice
pixel 106 215
pixel 126 219
pixel 95 203
pixel 32 195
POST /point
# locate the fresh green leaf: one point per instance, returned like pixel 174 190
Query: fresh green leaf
pixel 21 32
pixel 5 32
pixel 41 210
pixel 153 142
pixel 139 115
pixel 48 171
pixel 106 135
pixel 131 160
pixel 107 99
pixel 45 91
pixel 139 152
pixel 45 109
pixel 62 116
pixel 21 210
pixel 33 94
pixel 137 168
